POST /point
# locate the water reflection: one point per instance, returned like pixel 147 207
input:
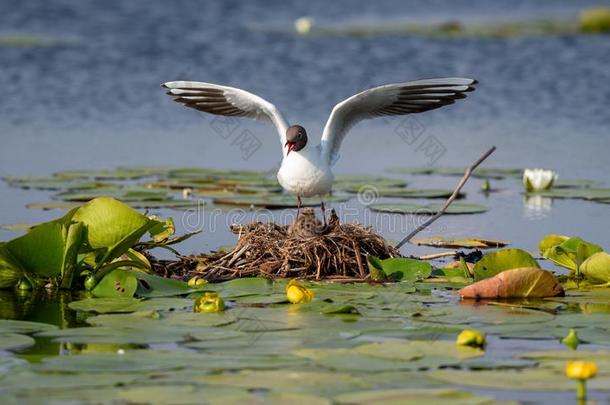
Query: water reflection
pixel 537 207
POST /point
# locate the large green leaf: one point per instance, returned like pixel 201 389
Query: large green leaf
pixel 10 269
pixel 112 226
pixel 569 252
pixel 48 249
pixel 496 262
pixel 400 268
pixel 597 268
pixel 117 283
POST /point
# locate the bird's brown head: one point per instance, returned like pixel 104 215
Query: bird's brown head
pixel 296 138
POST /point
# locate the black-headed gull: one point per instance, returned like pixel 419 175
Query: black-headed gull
pixel 306 169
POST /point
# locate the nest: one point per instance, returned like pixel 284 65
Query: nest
pixel 305 249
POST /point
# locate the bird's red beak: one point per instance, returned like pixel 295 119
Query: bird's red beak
pixel 290 146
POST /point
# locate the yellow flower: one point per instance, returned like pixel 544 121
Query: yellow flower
pixel 196 281
pixel 471 337
pixel 209 302
pixel 297 293
pixel 581 370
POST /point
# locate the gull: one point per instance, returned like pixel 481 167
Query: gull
pixel 306 168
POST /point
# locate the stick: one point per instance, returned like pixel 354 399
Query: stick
pixel 437 255
pixel 450 199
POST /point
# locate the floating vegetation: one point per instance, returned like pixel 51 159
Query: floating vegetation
pixel 482 172
pixel 428 209
pixel 91 246
pixel 590 21
pixel 274 201
pixel 470 243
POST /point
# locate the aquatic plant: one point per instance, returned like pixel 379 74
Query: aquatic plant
pixel 93 246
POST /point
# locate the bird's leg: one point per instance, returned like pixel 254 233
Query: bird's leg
pixel 298 206
pixel 323 209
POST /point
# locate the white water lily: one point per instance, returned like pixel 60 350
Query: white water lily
pixel 303 25
pixel 538 179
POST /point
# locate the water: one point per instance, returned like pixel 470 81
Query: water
pixel 92 100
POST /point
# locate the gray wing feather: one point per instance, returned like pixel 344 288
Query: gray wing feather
pixel 227 101
pixel 391 99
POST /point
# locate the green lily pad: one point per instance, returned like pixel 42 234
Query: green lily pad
pixel 567 253
pixel 413 396
pixel 415 193
pixel 482 172
pixel 14 341
pixel 399 269
pixel 276 200
pixel 117 174
pixel 112 226
pixel 50 183
pixel 351 182
pixel 584 193
pixel 117 305
pixel 596 268
pixel 117 283
pixel 428 209
pixel 15 326
pixel 48 249
pixel 53 205
pixel 134 194
pixel 496 262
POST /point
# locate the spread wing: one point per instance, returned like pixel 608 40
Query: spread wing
pixel 228 101
pixel 391 99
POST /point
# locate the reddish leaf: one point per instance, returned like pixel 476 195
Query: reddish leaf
pixel 522 282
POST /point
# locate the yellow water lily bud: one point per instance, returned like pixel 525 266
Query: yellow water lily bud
pixel 581 370
pixel 571 340
pixel 297 293
pixel 471 337
pixel 538 179
pixel 196 281
pixel 209 302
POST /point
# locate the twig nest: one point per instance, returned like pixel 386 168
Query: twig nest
pixel 305 249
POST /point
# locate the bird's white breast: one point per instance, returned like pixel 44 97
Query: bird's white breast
pixel 305 173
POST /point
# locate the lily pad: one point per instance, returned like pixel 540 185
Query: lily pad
pixel 48 249
pixel 481 172
pixel 415 193
pixel 276 200
pixel 497 262
pixel 456 243
pixel 400 269
pixel 428 209
pixel 53 205
pixel 569 252
pixel 117 283
pixel 50 183
pixel 584 193
pixel 596 268
pixel 351 182
pixel 526 282
pixel 123 194
pixel 413 396
pixel 117 305
pixel 112 227
pixel 14 341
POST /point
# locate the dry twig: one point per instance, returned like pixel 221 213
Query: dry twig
pixel 451 198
